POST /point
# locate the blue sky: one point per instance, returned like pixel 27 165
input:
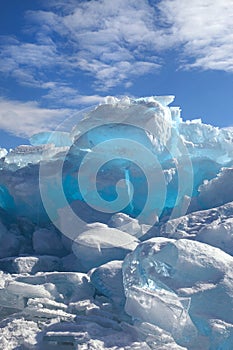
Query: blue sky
pixel 56 59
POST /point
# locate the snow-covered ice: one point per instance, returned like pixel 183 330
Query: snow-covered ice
pixel 108 280
pixel 99 245
pixel 178 286
pixel 212 226
pixel 118 234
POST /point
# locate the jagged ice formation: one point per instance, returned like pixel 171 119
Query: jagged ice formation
pixel 119 233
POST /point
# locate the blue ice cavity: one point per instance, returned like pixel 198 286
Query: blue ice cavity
pixel 6 200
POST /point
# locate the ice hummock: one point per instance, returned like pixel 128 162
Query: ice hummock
pixel 135 156
pixel 111 235
pixel 178 285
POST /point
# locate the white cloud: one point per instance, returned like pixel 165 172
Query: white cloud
pixel 109 37
pixel 204 31
pixel 102 38
pixel 106 33
pixel 108 76
pixel 26 119
pixel 114 42
pixel 88 99
pixel 62 94
pixel 27 62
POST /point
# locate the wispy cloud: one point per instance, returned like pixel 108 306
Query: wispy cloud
pixel 107 39
pixel 104 39
pixel 107 35
pixel 114 42
pixel 63 94
pixel 26 61
pixel 203 29
pixel 26 119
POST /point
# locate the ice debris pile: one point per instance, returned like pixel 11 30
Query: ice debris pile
pixel 119 234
